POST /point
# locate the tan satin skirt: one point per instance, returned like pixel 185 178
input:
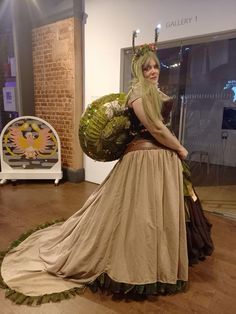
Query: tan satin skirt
pixel 132 228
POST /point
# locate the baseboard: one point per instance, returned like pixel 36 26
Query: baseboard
pixel 73 175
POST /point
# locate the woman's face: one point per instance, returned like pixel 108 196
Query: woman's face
pixel 151 71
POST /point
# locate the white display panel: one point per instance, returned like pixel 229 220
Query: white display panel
pixel 30 149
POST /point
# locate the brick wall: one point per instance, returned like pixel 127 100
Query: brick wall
pixel 58 83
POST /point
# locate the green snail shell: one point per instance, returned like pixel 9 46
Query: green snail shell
pixel 104 129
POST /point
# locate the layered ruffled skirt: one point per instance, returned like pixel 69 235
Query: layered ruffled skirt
pixel 129 235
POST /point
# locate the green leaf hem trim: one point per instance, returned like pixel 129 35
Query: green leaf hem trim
pixel 20 298
pixel 102 282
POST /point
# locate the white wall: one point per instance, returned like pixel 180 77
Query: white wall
pixel 109 28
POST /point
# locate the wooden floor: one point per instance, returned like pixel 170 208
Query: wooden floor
pixel 212 286
pixel 220 200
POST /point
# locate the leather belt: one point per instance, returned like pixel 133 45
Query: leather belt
pixel 143 144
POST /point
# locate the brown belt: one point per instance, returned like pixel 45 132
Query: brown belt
pixel 143 144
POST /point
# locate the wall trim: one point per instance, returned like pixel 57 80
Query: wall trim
pixel 73 175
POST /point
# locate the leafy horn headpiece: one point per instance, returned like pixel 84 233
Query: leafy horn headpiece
pixel 141 50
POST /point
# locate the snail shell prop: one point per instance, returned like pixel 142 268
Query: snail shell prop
pixel 104 129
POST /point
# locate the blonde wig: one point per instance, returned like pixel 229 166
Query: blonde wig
pixel 152 103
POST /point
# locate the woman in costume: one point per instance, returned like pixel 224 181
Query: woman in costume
pixel 130 235
pixel 152 107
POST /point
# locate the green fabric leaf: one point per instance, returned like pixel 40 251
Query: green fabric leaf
pixel 21 299
pixel 45 299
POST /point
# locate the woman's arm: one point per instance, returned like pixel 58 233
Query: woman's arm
pixel 158 130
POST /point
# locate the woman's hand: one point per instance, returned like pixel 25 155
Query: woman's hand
pixel 182 152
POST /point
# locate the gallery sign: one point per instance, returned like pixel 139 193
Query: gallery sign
pixel 182 21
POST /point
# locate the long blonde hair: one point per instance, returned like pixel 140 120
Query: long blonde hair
pixel 152 103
